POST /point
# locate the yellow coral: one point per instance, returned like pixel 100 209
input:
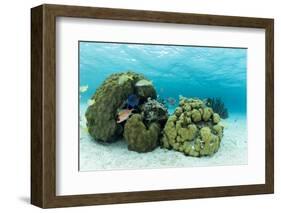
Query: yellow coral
pixel 218 129
pixel 189 133
pixel 186 107
pixel 206 134
pixel 125 77
pixel 181 103
pixel 187 147
pixel 195 115
pixel 195 103
pixel 170 132
pixel 207 113
pixel 178 111
pixel 216 118
pixel 194 129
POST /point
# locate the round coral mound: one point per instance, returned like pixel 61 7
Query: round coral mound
pixel 193 129
pixel 107 100
pixel 141 138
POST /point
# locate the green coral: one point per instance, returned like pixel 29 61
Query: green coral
pixel 196 115
pixel 207 113
pixel 218 130
pixel 101 114
pixel 205 134
pixel 195 103
pixel 146 91
pixel 216 118
pixel 170 132
pixel 187 134
pixel 193 129
pixel 139 137
pixel 124 78
pixel 178 111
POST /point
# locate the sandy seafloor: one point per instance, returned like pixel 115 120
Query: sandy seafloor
pixel 112 156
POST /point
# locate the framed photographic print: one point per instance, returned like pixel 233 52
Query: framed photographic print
pixel 137 106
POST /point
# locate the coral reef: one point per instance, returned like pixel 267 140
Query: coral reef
pixel 104 104
pixel 141 138
pixel 153 111
pixel 125 105
pixel 146 91
pixel 218 106
pixel 193 129
pixel 162 101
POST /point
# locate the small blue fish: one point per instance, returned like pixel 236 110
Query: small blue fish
pixel 132 100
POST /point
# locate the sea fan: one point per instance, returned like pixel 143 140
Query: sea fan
pixel 218 106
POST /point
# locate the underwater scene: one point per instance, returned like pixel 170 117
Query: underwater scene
pixel 150 106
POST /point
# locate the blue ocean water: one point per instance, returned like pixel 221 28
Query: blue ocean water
pixel 190 71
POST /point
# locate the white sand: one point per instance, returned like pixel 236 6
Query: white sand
pixel 99 156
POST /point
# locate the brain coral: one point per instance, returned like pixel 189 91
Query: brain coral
pixel 141 138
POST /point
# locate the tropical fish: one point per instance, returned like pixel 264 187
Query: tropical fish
pixel 133 100
pixel 84 88
pixel 143 82
pixel 123 115
pixel 171 101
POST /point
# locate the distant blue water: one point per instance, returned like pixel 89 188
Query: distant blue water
pixel 175 70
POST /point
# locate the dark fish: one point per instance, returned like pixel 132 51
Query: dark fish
pixel 132 100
